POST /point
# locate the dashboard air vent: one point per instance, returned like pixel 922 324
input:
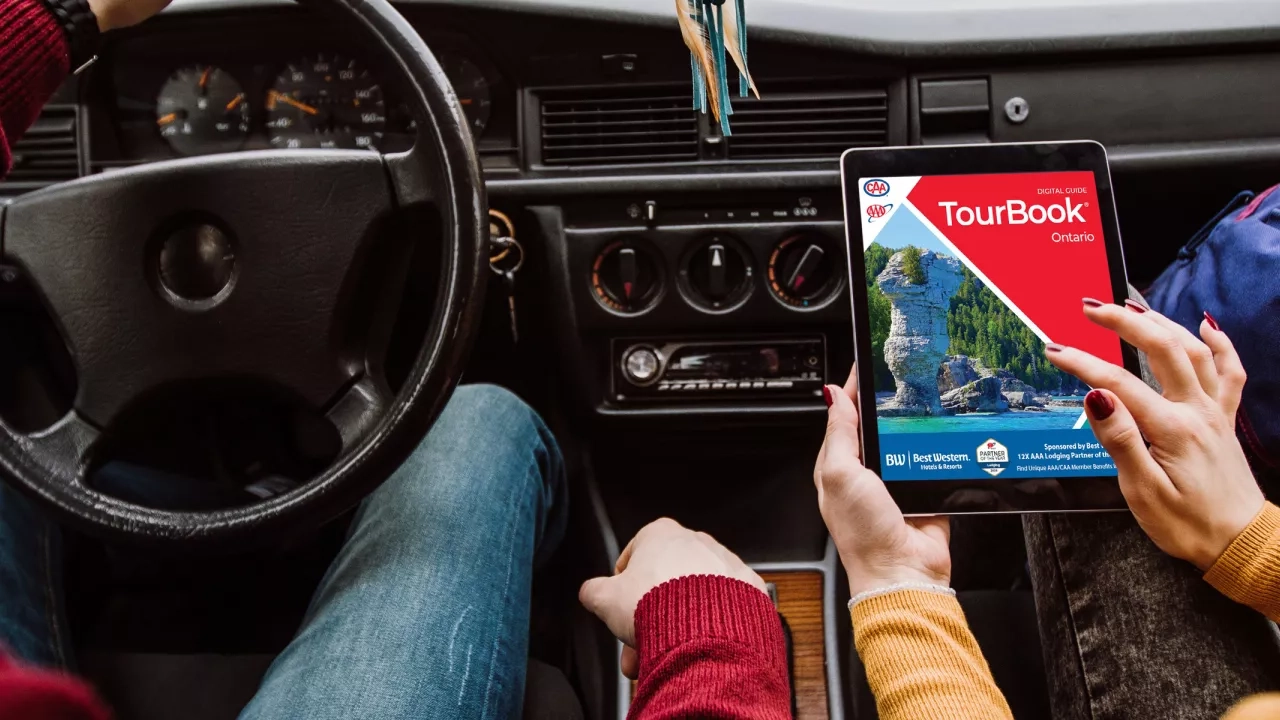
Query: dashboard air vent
pixel 784 125
pixel 619 125
pixel 48 153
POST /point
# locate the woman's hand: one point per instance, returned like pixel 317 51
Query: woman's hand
pixel 1192 490
pixel 663 550
pixel 877 545
pixel 113 14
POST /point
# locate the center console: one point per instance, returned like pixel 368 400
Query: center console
pixel 691 304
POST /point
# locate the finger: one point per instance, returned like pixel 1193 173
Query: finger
pixel 937 527
pixel 1198 353
pixel 630 663
pixel 1146 404
pixel 1141 478
pixel 599 597
pixel 625 558
pixel 594 595
pixel 1168 358
pixel 1227 361
pixel 843 445
pixel 851 384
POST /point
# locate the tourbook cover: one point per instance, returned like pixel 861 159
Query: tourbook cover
pixel 968 277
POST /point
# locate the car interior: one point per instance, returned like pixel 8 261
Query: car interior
pixel 559 220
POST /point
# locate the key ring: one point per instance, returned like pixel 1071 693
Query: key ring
pixel 508 244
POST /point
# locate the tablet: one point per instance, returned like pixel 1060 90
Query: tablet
pixel 965 261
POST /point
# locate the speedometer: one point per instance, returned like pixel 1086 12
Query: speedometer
pixel 325 101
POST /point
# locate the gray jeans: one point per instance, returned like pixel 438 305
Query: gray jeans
pixel 1129 632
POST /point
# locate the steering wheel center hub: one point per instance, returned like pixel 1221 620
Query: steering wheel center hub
pixel 196 265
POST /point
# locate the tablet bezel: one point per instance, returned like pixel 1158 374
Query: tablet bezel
pixel 929 497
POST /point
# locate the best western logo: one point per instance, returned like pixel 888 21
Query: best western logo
pixel 1014 212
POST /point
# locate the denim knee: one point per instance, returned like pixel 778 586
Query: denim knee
pixel 486 444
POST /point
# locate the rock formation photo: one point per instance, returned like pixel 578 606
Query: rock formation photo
pixel 919 284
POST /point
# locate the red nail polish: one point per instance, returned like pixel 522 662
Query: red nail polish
pixel 1054 347
pixel 1100 406
pixel 1135 306
pixel 1091 302
pixel 1212 323
pixel 826 395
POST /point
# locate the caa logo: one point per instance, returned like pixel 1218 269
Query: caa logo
pixel 876 187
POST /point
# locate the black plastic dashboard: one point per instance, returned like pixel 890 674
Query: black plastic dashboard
pixel 584 122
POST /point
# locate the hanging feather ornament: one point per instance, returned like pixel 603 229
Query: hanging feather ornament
pixel 715 34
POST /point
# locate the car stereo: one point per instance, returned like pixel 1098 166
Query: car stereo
pixel 659 370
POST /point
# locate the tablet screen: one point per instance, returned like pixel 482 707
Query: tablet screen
pixel 968 278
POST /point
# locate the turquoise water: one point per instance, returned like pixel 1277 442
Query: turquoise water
pixel 1056 418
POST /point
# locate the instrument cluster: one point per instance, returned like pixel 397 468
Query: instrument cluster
pixel 305 99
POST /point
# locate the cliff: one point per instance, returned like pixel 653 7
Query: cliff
pixel 918 338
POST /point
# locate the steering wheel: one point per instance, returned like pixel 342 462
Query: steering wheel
pixel 240 265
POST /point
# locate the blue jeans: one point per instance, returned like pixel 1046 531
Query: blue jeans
pixel 425 611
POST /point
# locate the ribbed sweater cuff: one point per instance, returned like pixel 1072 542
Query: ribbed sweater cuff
pixel 1249 570
pixel 697 607
pixel 33 62
pixel 915 601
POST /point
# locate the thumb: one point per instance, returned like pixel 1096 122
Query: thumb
pixel 601 598
pixel 1114 426
pixel 843 445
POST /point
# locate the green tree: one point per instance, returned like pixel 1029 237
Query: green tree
pixel 983 327
pixel 880 313
pixel 911 266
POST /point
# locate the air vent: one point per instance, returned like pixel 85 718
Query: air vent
pixel 46 154
pixel 810 124
pixel 619 125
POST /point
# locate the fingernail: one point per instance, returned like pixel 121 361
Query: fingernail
pixel 1091 302
pixel 826 395
pixel 1212 323
pixel 1054 347
pixel 1100 406
pixel 1135 306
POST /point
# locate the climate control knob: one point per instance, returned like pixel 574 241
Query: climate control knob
pixel 716 274
pixel 625 277
pixel 805 271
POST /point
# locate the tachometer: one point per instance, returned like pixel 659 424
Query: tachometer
pixel 202 109
pixel 472 87
pixel 325 102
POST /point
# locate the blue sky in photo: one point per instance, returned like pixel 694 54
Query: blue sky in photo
pixel 906 229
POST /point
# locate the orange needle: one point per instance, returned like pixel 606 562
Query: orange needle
pixel 166 119
pixel 290 101
pixel 465 101
pixel 235 102
pixel 204 78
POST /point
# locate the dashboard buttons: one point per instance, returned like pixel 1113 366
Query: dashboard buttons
pixel 804 271
pixel 642 365
pixel 716 274
pixel 625 277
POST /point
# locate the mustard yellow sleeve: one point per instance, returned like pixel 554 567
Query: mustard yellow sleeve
pixel 1249 571
pixel 1258 707
pixel 921 659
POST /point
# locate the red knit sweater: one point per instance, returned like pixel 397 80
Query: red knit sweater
pixel 709 647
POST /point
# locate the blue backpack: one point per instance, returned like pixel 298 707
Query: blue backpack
pixel 1231 268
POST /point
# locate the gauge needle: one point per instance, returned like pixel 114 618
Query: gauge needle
pixel 465 101
pixel 166 119
pixel 235 102
pixel 204 78
pixel 281 97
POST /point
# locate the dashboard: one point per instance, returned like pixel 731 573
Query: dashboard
pixel 226 86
